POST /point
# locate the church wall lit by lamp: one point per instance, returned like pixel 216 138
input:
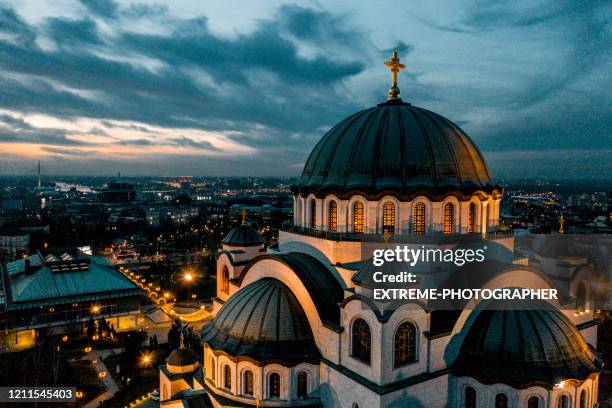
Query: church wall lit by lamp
pixel 291 328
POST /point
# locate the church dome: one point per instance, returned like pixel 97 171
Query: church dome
pixel 181 357
pixel 524 348
pixel 265 322
pixel 395 148
pixel 243 235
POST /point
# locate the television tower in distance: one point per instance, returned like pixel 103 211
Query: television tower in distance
pixel 39 179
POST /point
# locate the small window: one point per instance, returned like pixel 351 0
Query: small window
pixel 302 384
pixel 583 399
pixel 449 218
pixel 361 341
pixel 225 280
pixel 247 383
pixel 227 377
pixel 533 402
pixel 213 368
pixel 333 216
pixel 472 218
pixel 274 385
pixel 563 401
pixel 501 401
pixel 418 224
pixel 358 217
pixel 388 218
pixel 313 214
pixel 470 397
pixel 580 298
pixel 405 345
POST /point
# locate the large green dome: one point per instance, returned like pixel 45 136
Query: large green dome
pixel 395 148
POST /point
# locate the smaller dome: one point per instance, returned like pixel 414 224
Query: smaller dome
pixel 243 235
pixel 182 357
pixel 263 321
pixel 524 348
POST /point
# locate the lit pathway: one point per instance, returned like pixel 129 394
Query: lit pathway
pixel 109 383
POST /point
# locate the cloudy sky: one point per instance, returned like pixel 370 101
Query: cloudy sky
pixel 188 87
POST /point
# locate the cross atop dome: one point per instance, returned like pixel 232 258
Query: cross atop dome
pixel 395 67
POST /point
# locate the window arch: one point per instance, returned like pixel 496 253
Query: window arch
pixel 449 218
pixel 274 385
pixel 501 401
pixel 332 216
pixel 388 217
pixel 404 345
pixel 361 341
pixel 472 218
pixel 302 384
pixel 313 213
pixel 583 399
pixel 225 280
pixel 470 397
pixel 247 382
pixel 213 368
pixel 533 402
pixel 358 217
pixel 227 377
pixel 418 223
pixel 564 401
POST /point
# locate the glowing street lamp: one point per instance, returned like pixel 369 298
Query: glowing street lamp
pixel 95 309
pixel 146 360
pixel 188 277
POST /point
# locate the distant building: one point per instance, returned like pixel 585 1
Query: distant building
pixel 118 193
pixel 62 289
pixel 158 215
pixel 13 244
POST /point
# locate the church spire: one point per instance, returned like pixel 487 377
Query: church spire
pixel 395 67
pixel 243 216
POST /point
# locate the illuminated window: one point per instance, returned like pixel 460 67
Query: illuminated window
pixel 361 341
pixel 225 280
pixel 405 345
pixel 274 385
pixel 449 218
pixel 313 214
pixel 418 224
pixel 302 384
pixel 533 402
pixel 563 402
pixel 388 218
pixel 358 217
pixel 580 298
pixel 472 218
pixel 501 401
pixel 583 399
pixel 227 377
pixel 333 216
pixel 247 386
pixel 470 397
pixel 213 367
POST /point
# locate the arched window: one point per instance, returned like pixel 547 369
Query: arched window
pixel 274 385
pixel 247 382
pixel 388 218
pixel 213 368
pixel 449 218
pixel 580 298
pixel 583 399
pixel 225 280
pixel 470 397
pixel 501 401
pixel 404 349
pixel 361 341
pixel 563 401
pixel 418 223
pixel 333 216
pixel 358 217
pixel 472 218
pixel 227 377
pixel 302 384
pixel 533 402
pixel 313 213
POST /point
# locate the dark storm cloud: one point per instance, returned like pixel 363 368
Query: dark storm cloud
pixel 181 141
pixel 103 8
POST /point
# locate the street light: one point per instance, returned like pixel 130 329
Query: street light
pixel 188 277
pixel 146 360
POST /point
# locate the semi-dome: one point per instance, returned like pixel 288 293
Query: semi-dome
pixel 265 322
pixel 524 348
pixel 395 147
pixel 243 235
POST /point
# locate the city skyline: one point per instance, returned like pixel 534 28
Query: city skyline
pixel 96 87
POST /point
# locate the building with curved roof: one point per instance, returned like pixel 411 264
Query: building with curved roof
pixel 297 325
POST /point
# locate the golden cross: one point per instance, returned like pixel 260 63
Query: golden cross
pixel 244 216
pixel 395 67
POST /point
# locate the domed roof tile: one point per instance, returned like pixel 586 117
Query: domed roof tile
pixel 243 235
